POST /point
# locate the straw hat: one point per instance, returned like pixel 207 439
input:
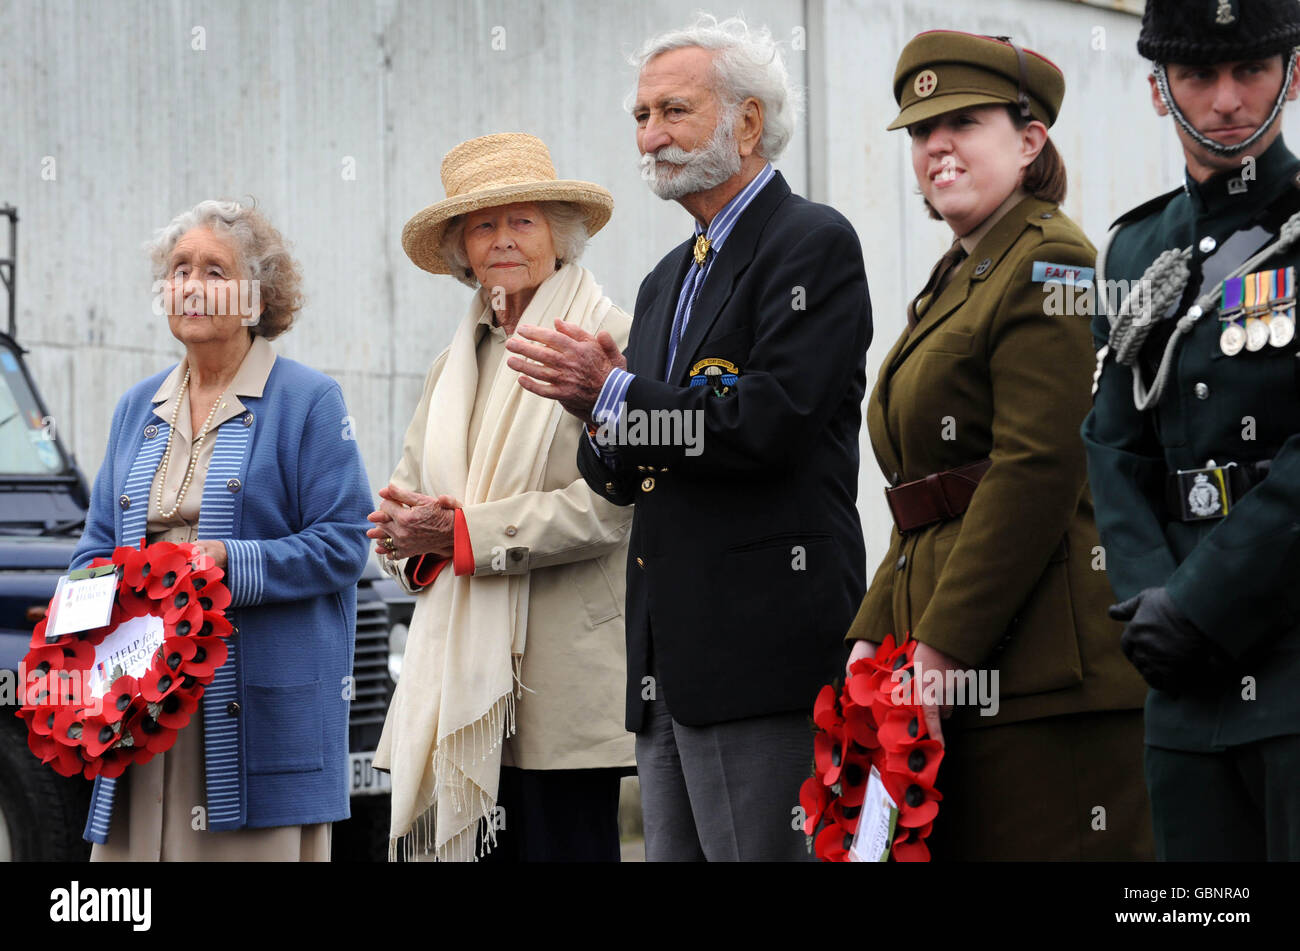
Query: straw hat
pixel 496 170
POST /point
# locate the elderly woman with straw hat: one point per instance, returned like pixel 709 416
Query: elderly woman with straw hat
pixel 505 735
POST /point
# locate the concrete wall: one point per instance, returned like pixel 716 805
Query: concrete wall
pixel 336 115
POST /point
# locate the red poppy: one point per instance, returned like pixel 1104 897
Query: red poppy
pixel 909 844
pixel 67 727
pixel 136 566
pixel 64 760
pixel 148 734
pixel 215 625
pixel 117 702
pixel 176 650
pixel 158 682
pixel 134 603
pixel 845 815
pixel 182 605
pixel 168 570
pixel 853 779
pixel 814 798
pixel 859 725
pixel 832 843
pixel 42 719
pixel 828 755
pixel 919 764
pixel 97 735
pixel 214 596
pixel 178 707
pixel 901 729
pixel 210 653
pixel 826 709
pixel 917 804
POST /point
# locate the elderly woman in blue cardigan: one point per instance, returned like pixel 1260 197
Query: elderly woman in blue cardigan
pixel 246 455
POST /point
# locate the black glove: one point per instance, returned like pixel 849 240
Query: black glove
pixel 1168 650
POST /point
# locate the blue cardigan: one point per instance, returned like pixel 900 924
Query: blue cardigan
pixel 287 492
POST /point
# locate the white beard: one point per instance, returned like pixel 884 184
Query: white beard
pixel 707 167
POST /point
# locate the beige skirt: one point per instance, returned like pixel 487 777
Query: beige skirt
pixel 159 815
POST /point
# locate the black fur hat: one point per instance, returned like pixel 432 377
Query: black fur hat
pixel 1202 32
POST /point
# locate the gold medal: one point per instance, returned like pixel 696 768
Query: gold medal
pixel 1256 334
pixel 1232 339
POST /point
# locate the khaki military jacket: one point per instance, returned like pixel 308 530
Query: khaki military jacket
pixel 1017 583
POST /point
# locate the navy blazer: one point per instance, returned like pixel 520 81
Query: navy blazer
pixel 746 561
pixel 287 492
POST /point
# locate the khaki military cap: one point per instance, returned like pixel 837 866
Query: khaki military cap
pixel 943 70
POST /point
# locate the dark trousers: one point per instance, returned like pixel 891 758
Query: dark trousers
pixel 1064 788
pixel 1238 805
pixel 556 815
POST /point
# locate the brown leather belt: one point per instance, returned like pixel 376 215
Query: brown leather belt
pixel 938 497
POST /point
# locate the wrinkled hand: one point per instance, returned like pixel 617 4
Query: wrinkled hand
pixel 213 551
pixel 568 364
pixel 1164 645
pixel 417 524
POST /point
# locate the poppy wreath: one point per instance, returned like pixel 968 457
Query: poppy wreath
pixel 876 720
pixel 137 718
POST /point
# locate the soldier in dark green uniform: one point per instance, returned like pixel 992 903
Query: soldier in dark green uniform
pixel 1194 437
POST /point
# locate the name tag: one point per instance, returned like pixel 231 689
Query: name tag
pixel 876 823
pixel 1063 274
pixel 82 604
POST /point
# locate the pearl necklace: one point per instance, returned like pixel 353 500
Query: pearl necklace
pixel 194 453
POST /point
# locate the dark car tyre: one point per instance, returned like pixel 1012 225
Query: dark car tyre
pixel 42 814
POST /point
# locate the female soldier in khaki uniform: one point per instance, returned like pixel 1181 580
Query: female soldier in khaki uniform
pixel 994 563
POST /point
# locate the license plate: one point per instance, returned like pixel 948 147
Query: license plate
pixel 364 780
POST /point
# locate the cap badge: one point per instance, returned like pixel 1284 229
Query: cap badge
pixel 925 83
pixel 1225 15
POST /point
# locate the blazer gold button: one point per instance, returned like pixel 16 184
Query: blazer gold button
pixel 647 484
pixel 124 501
pixel 640 468
pixel 233 485
pixel 150 431
pixel 511 531
pixel 232 708
pixel 247 418
pixel 609 486
pixel 639 562
pixel 983 266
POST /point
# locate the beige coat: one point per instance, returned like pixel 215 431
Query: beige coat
pixel 574 544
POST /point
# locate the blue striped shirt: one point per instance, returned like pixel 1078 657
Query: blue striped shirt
pixel 613 395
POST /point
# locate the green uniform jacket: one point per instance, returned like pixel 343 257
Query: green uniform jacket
pixel 1237 578
pixel 1011 585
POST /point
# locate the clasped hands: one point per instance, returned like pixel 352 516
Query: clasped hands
pixel 566 364
pixel 1168 650
pixel 408 524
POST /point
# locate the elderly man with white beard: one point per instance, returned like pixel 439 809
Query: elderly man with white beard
pixel 746 561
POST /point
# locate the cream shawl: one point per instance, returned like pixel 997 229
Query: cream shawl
pixel 454 703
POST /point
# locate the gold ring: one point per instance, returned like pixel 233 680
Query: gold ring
pixel 392 546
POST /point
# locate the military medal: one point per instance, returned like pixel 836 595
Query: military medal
pixel 1282 326
pixel 1257 334
pixel 1233 337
